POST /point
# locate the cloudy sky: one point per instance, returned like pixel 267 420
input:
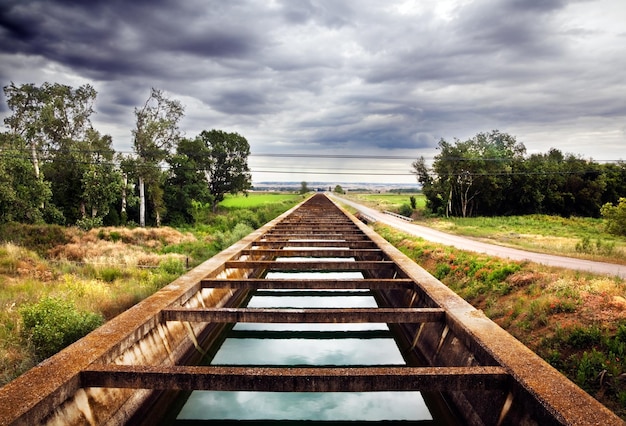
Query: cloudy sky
pixel 356 88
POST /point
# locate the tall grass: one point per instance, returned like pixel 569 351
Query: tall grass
pixel 575 236
pixel 82 275
pixel 577 322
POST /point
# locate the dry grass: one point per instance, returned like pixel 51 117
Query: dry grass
pixel 105 271
pixel 119 246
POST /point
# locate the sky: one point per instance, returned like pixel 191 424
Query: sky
pixel 338 91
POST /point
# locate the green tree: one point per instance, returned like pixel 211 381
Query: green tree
pixel 615 217
pixel 469 177
pixel 615 180
pixel 187 181
pixel 54 120
pixel 227 170
pixel 49 117
pixel 304 187
pixel 83 178
pixel 22 193
pixel 339 189
pixel 154 136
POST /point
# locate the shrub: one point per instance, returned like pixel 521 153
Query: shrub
pixel 88 223
pixel 405 210
pixel 38 238
pixel 615 217
pixel 54 323
pixel 172 266
pixel 226 239
pixel 584 337
pixel 109 274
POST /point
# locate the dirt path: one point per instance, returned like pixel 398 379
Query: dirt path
pixel 464 243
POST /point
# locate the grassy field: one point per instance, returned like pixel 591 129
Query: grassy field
pixel 256 199
pixel 583 238
pixel 389 201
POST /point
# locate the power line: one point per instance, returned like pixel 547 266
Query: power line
pixel 332 156
pixel 325 171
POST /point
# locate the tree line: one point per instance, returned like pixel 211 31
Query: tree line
pixel 56 168
pixel 491 174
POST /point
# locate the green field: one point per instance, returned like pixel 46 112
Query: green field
pixel 256 199
pixel 389 201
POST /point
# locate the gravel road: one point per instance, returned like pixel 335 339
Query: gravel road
pixel 464 243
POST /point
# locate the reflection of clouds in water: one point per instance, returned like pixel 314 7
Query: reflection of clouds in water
pixel 242 326
pixel 369 406
pixel 312 302
pixel 312 352
pixel 314 275
pixel 372 406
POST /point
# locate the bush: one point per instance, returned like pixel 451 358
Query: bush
pixel 405 210
pixel 584 337
pixel 615 217
pixel 109 274
pixel 172 266
pixel 38 238
pixel 54 323
pixel 224 240
pixel 88 223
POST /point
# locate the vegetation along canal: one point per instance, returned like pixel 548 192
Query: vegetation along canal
pixel 265 332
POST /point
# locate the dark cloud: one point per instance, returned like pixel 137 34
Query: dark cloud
pixel 336 75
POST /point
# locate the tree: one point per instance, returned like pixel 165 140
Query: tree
pixel 470 177
pixel 338 189
pixel 615 179
pixel 101 182
pixel 83 178
pixel 22 193
pixel 227 171
pixel 187 181
pixel 615 217
pixel 54 120
pixel 304 187
pixel 49 117
pixel 155 135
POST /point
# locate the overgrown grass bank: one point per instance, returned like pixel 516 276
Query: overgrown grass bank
pixel 581 237
pixel 57 284
pixel 575 236
pixel 575 321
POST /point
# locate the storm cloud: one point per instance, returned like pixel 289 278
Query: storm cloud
pixel 341 77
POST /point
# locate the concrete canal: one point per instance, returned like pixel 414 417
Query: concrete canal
pixel 305 345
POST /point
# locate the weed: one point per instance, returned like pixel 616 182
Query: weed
pixel 53 323
pixel 501 273
pixel 110 273
pixel 172 266
pixel 584 337
pixel 442 270
pixel 554 358
pixel 590 365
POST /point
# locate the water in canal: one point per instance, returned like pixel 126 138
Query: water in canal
pixel 307 345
